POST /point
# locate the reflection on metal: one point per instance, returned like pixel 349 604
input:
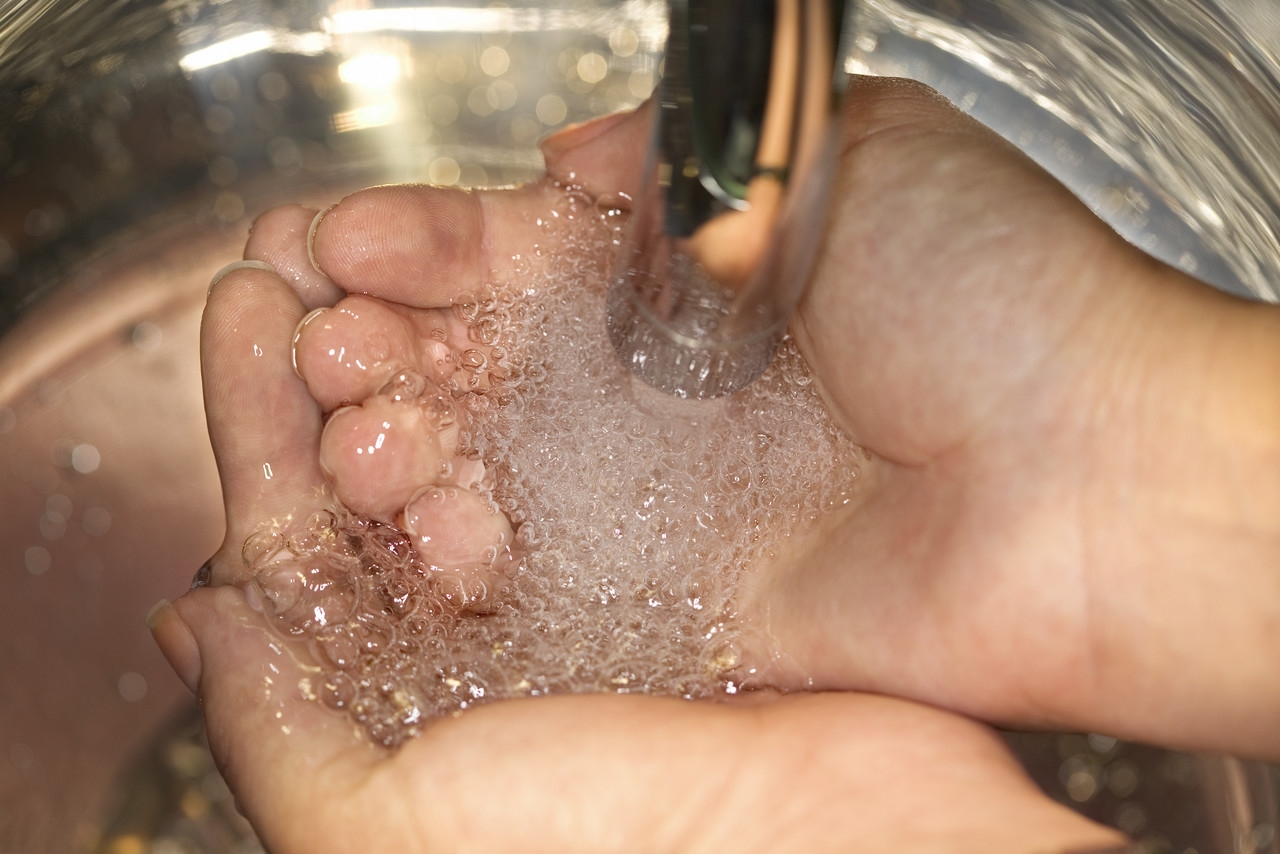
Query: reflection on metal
pixel 363 118
pixel 725 226
pixel 1172 107
pixel 500 19
pixel 236 47
pixel 583 18
pixel 373 70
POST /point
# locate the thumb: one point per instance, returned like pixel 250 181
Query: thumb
pixel 292 764
pixel 603 155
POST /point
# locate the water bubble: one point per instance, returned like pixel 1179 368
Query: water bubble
pixel 336 647
pixel 373 633
pixel 487 330
pixel 307 541
pixel 404 387
pixel 304 596
pixel 260 547
pixel 337 691
pixel 467 308
pixel 401 597
pixel 631 524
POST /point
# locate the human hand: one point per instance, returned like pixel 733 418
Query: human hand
pixel 569 773
pixel 1073 517
pixel 1074 446
pixel 822 583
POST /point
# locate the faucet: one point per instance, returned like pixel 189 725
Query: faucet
pixel 727 222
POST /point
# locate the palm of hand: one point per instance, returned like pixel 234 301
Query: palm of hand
pixel 961 283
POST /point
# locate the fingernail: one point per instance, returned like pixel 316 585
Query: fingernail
pixel 156 612
pixel 176 642
pixel 311 239
pixel 240 265
pixel 560 141
pixel 297 333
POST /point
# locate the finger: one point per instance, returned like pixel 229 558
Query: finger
pixel 428 246
pixel 263 424
pixel 885 775
pixel 411 244
pixel 602 156
pixel 294 766
pixel 350 352
pixel 279 238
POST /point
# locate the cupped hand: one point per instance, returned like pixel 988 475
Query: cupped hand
pixel 569 773
pixel 1025 547
pixel 1073 518
pixel 1072 514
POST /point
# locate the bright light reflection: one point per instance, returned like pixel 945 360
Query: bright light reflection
pixel 282 41
pixel 496 19
pixel 372 116
pixel 442 19
pixel 651 32
pixel 370 70
pixel 225 51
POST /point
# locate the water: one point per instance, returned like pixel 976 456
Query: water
pixel 635 515
pixel 1163 117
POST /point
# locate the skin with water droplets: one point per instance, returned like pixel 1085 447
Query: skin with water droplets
pixel 619 520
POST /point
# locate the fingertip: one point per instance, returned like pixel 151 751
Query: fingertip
pixel 281 237
pixel 312 228
pixel 297 336
pixel 237 266
pixel 873 105
pixel 176 642
pixel 416 245
pixel 557 143
pixel 604 155
pixel 263 423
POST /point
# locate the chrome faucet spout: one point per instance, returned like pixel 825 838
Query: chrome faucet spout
pixel 724 231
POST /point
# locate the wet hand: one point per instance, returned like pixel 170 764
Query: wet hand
pixel 1069 439
pixel 1073 515
pixel 569 773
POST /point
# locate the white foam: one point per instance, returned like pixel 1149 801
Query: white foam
pixel 638 514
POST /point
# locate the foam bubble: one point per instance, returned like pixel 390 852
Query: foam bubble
pixel 634 513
